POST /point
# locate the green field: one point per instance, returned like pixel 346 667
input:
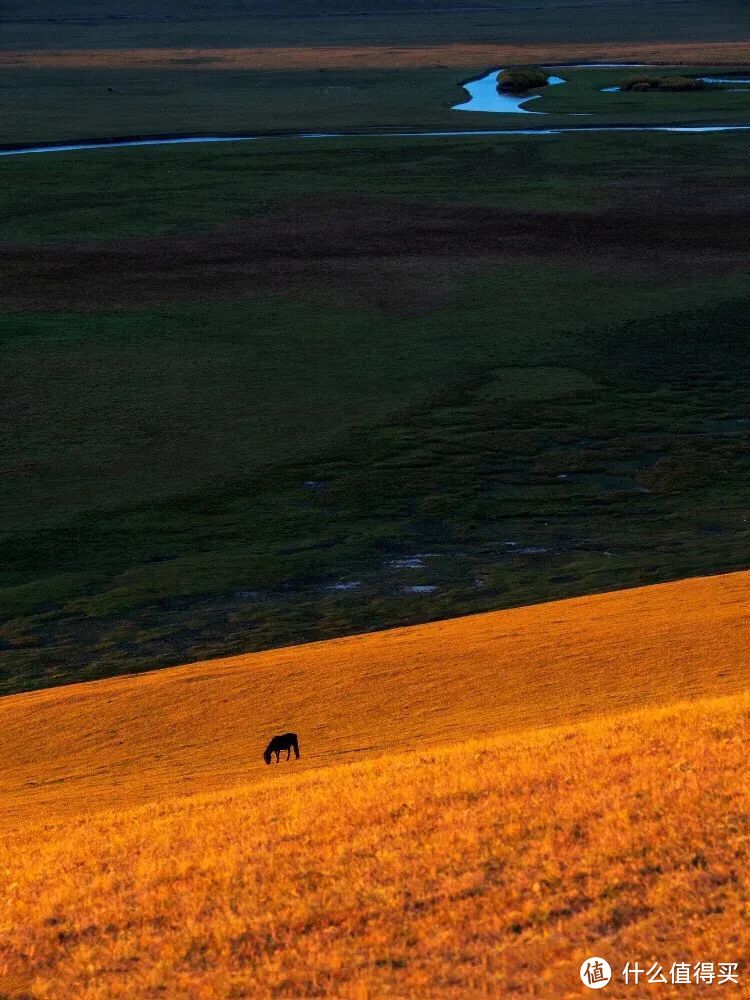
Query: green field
pixel 257 394
pixel 46 24
pixel 47 105
pixel 39 104
pixel 261 393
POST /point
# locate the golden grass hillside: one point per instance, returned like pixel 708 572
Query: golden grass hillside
pixel 490 868
pixel 197 729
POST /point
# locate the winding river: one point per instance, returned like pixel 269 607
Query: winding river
pixel 483 97
pixel 192 139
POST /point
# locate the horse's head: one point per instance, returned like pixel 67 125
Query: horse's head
pixel 267 756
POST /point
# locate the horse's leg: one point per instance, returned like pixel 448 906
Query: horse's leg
pixel 288 752
pixel 278 756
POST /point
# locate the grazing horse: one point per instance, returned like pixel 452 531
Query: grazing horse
pixel 286 742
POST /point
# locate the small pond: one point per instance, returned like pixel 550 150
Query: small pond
pixel 484 96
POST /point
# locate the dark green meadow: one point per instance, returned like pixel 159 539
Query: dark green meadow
pixel 103 194
pixel 409 435
pixel 64 104
pixel 40 24
pixel 39 104
pixel 52 105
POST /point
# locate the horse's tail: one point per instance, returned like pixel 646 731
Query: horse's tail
pixel 295 747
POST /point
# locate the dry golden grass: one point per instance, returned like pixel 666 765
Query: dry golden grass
pixel 459 56
pixel 490 868
pixel 146 851
pixel 201 728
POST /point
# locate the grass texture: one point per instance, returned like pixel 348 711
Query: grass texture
pixel 238 381
pixel 490 868
pixel 480 804
pixel 80 95
pixel 201 728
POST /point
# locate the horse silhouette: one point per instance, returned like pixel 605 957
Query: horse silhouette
pixel 286 742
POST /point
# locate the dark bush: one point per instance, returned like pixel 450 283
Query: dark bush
pixel 521 81
pixel 662 83
pixel 682 83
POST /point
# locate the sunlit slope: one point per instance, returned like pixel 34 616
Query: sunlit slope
pixel 201 728
pixel 489 868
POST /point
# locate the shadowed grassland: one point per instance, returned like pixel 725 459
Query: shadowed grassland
pixel 131 192
pixel 487 868
pixel 583 95
pixel 71 71
pixel 97 100
pixel 71 24
pixel 67 73
pixel 331 416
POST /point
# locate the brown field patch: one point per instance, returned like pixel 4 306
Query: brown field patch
pixel 459 56
pixel 387 255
